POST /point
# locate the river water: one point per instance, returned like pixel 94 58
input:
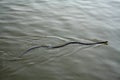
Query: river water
pixel 28 23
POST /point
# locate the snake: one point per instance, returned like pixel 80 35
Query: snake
pixel 63 45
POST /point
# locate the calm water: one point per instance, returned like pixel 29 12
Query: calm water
pixel 27 23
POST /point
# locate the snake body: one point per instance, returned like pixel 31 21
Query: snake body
pixel 63 45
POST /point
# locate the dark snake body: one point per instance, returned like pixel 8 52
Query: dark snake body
pixel 60 46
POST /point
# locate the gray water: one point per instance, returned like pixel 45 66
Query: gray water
pixel 28 23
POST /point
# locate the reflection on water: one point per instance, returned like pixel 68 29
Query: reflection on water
pixel 27 23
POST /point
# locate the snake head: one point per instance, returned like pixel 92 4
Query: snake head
pixel 105 42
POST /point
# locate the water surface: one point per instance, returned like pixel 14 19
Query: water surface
pixel 27 23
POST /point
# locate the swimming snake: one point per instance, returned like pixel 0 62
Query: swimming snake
pixel 60 46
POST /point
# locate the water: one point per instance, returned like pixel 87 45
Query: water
pixel 27 23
